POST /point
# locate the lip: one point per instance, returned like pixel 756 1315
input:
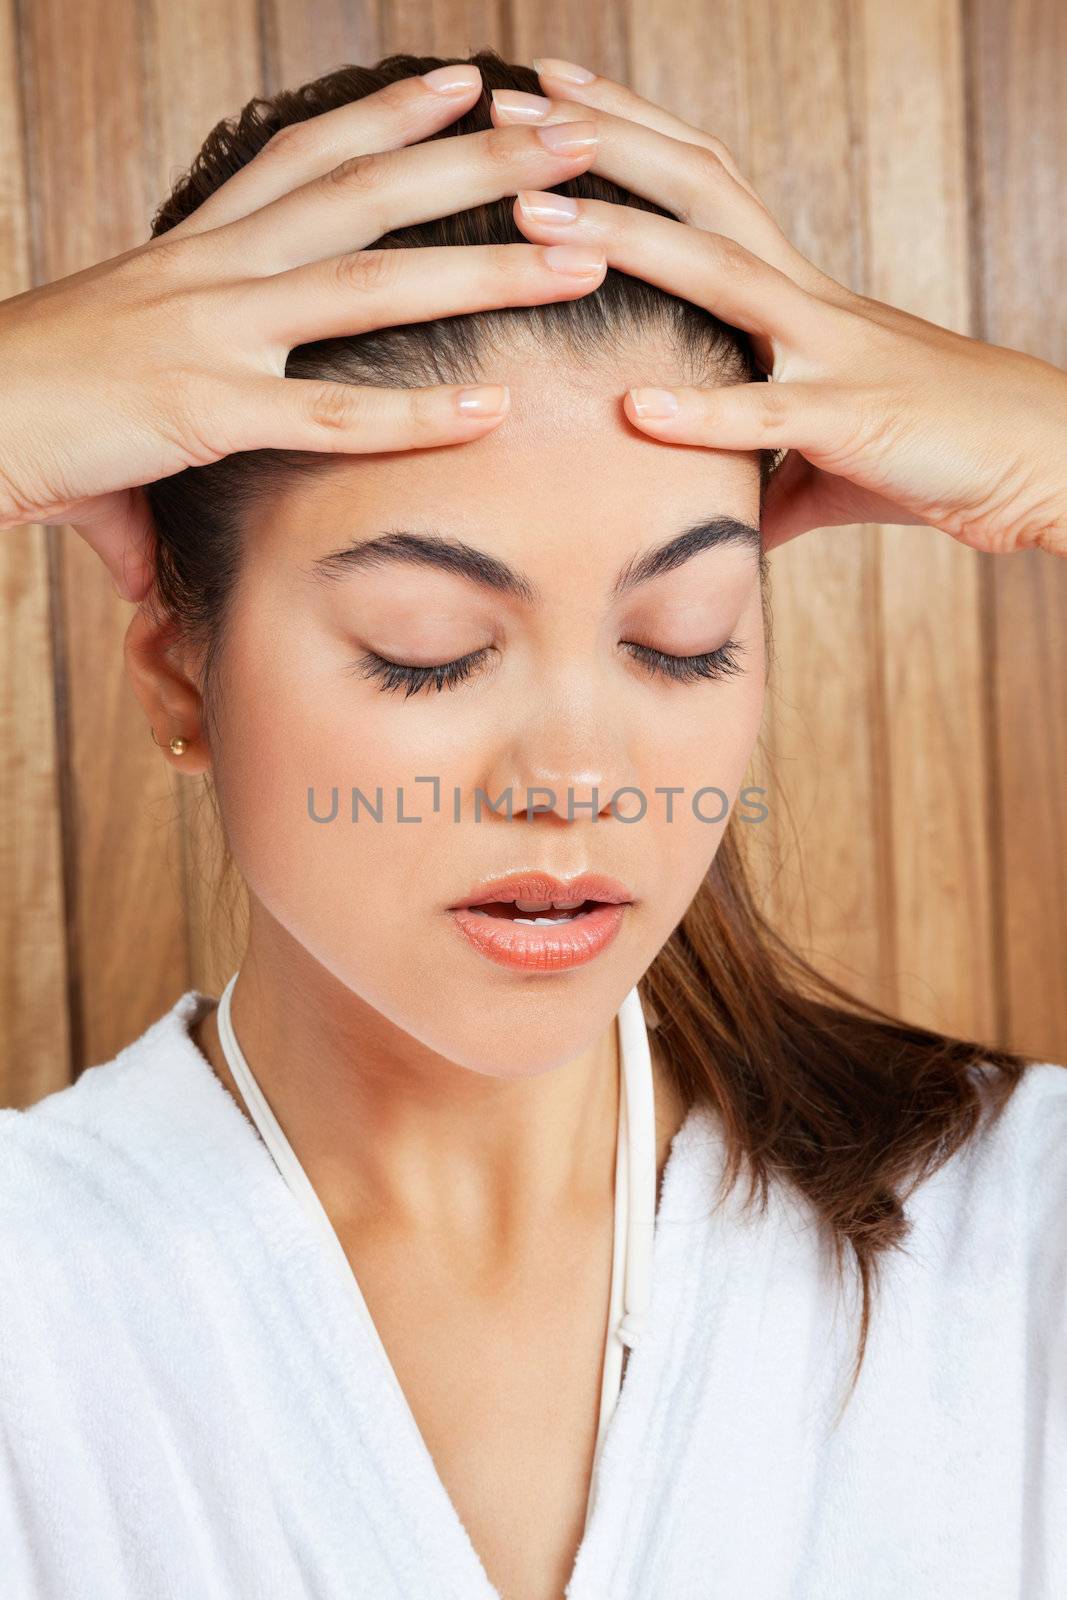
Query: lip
pixel 546 886
pixel 522 946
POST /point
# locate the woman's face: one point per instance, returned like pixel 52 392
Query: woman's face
pixel 536 528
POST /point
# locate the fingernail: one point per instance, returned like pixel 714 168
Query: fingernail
pixel 566 71
pixel 655 402
pixel 564 138
pixel 542 206
pixel 578 259
pixel 519 105
pixel 452 80
pixel 484 400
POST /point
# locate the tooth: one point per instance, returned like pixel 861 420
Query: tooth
pixel 543 922
pixel 533 905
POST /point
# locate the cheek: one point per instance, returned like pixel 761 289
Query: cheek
pixel 705 731
pixel 300 713
pixel 298 733
pixel 701 743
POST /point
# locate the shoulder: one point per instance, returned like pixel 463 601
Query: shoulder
pixel 106 1134
pixel 1027 1154
pixel 1001 1198
pixel 1027 1137
pixel 122 1197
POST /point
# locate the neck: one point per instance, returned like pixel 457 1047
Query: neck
pixel 388 1130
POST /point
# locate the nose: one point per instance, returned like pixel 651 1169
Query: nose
pixel 571 758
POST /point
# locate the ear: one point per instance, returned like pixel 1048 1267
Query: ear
pixel 160 663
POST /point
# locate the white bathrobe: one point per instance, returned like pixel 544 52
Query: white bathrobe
pixel 189 1409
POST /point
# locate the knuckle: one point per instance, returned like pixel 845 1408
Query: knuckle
pixel 501 147
pixel 164 258
pixel 773 405
pixel 366 271
pixel 333 406
pixel 728 256
pixel 290 138
pixel 722 151
pixel 705 163
pixel 511 268
pixel 175 275
pixel 712 160
pixel 360 174
pixel 424 412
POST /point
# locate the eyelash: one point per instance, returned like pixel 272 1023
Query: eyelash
pixel 395 676
pixel 711 664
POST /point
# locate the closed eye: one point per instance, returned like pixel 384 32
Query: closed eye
pixel 393 675
pixel 719 663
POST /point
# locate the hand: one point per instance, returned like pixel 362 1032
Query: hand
pixel 885 417
pixel 173 355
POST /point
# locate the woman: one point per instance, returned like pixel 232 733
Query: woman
pixel 325 1287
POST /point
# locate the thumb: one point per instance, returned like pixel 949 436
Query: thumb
pixel 119 527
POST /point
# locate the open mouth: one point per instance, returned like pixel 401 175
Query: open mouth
pixel 534 913
pixel 534 921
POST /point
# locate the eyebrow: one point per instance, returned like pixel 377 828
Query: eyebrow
pixel 490 572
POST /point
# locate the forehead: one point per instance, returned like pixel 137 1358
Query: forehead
pixel 565 465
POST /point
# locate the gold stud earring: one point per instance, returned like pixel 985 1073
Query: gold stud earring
pixel 178 745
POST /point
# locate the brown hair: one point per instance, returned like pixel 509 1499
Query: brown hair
pixel 847 1105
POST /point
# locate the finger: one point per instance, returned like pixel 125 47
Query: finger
pixel 369 196
pixel 811 418
pixel 348 418
pixel 515 106
pixel 607 95
pixel 711 269
pixel 398 114
pixel 137 562
pixel 684 178
pixel 384 288
pixel 118 526
pixel 800 497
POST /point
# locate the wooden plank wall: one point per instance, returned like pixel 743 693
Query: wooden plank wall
pixel 915 742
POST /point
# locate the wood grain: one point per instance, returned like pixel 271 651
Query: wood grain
pixel 915 740
pixel 34 1004
pixel 1016 58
